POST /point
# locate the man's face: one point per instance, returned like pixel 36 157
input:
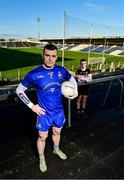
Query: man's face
pixel 83 64
pixel 50 57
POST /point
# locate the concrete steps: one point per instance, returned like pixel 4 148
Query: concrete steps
pixel 94 147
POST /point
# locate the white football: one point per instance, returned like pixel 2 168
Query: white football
pixel 67 88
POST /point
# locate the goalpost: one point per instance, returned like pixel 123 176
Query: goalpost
pixel 78 28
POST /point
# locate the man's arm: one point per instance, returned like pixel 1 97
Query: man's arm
pixel 20 91
pixel 87 78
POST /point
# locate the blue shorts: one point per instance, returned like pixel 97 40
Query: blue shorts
pixel 44 122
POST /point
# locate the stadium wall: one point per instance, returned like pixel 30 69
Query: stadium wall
pixel 98 41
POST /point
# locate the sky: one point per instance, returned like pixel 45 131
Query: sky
pixel 83 18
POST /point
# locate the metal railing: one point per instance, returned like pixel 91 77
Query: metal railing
pixel 97 81
pixel 8 89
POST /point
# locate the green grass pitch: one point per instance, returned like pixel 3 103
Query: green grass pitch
pixel 26 59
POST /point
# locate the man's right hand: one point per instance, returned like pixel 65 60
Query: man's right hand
pixel 38 110
pixel 72 96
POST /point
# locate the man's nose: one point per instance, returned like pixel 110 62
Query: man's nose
pixel 50 58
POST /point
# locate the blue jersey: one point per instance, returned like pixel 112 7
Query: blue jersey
pixel 47 83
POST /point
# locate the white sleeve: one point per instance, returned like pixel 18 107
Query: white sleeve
pixel 73 81
pixel 21 94
pixel 87 78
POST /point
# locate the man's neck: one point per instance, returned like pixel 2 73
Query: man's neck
pixel 83 69
pixel 47 67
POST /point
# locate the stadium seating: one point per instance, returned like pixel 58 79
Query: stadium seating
pixel 17 44
pixel 113 49
pixel 122 53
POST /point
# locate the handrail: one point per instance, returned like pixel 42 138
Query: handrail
pixel 99 80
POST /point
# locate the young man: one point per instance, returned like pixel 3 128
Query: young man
pixel 83 74
pixel 47 80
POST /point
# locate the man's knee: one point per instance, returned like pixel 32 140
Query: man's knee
pixel 79 98
pixel 56 131
pixel 84 99
pixel 42 137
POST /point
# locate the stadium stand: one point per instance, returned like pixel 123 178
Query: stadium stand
pixel 98 49
pixel 114 49
pixel 89 47
pixel 18 44
pixel 114 45
pixel 65 47
pixel 70 46
pixel 122 53
pixel 78 47
pixel 59 46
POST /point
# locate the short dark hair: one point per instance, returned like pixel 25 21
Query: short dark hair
pixel 83 60
pixel 50 46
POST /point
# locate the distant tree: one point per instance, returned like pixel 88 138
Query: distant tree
pixel 2 39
